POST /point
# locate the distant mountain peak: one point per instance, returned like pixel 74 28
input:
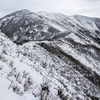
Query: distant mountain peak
pixel 21 12
pixel 22 26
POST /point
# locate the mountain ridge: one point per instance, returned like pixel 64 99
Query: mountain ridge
pixel 46 56
pixel 43 26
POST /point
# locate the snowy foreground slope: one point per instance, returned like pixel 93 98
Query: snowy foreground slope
pixel 46 56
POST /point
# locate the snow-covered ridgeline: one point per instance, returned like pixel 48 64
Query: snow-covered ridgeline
pixel 63 68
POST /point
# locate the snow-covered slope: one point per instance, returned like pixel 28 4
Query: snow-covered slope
pixel 23 26
pixel 63 65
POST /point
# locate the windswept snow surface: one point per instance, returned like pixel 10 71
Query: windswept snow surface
pixel 5 94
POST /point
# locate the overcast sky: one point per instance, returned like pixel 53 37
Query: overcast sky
pixel 68 7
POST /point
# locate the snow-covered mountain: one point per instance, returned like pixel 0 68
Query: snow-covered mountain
pixel 47 56
pixel 23 26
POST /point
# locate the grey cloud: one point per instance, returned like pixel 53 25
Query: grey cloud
pixel 67 7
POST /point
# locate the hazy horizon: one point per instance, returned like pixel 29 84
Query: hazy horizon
pixel 90 8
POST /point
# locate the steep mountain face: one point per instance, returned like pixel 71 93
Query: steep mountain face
pixel 46 56
pixel 23 26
